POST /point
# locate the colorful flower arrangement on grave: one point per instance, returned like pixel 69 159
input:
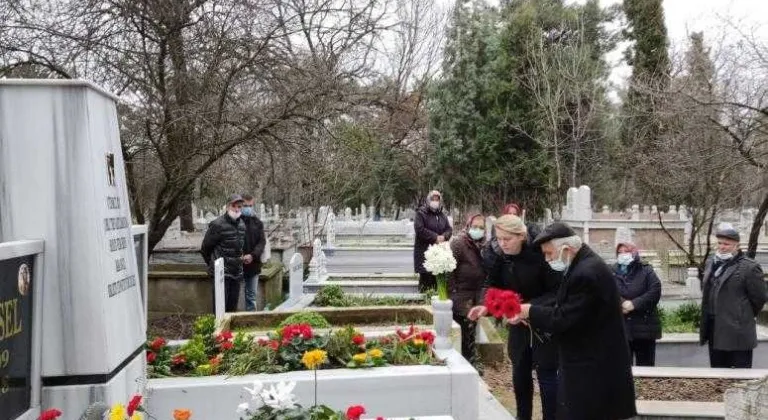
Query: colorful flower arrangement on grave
pixel 131 411
pixel 289 348
pixel 278 402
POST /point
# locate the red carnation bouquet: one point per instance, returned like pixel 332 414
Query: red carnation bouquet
pixel 502 303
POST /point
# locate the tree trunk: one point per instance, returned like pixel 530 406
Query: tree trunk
pixel 757 224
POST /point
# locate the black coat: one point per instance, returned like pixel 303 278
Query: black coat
pixel 255 241
pixel 528 274
pixel 641 286
pixel 225 238
pixel 586 320
pixel 740 299
pixel 428 224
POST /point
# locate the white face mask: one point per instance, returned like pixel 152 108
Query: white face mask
pixel 476 233
pixel 558 264
pixel 625 258
pixel 434 205
pixel 723 256
pixel 234 214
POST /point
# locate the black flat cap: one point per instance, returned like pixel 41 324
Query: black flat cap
pixel 727 231
pixel 235 198
pixel 554 231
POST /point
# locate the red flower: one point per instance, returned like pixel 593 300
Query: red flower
pixel 354 412
pixel 379 418
pixel 290 332
pixel 179 359
pixel 358 340
pixel 151 356
pixel 224 336
pixel 133 404
pixel 385 340
pixel 157 344
pixel 428 337
pixel 215 361
pixel 274 344
pixel 227 345
pixel 51 414
pixel 405 336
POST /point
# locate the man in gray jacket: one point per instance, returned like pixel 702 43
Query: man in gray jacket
pixel 734 293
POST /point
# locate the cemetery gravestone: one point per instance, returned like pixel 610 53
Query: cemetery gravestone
pixel 60 144
pixel 296 276
pixel 218 289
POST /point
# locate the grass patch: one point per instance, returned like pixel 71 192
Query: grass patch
pixel 684 319
pixel 334 296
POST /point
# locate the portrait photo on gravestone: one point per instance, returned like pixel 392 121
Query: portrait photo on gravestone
pixel 15 336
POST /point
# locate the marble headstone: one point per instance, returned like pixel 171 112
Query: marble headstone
pixel 218 289
pixel 60 150
pixel 296 276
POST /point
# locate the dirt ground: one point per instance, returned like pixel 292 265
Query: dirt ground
pixel 171 327
pixel 499 379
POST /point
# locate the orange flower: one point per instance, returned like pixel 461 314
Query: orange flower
pixel 181 414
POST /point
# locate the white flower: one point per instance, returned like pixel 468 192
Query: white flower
pixel 257 388
pixel 280 396
pixel 243 408
pixel 439 259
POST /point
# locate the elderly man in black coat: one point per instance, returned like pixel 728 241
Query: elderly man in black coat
pixel 586 321
pixel 734 294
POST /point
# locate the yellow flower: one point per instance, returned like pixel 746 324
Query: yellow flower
pixel 360 357
pixel 314 358
pixel 117 412
pixel 418 342
pixel 135 416
pixel 376 354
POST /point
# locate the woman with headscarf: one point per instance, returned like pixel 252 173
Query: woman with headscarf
pixel 465 283
pixel 640 291
pixel 432 227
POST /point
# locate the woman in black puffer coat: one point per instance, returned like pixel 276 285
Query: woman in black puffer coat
pixel 640 291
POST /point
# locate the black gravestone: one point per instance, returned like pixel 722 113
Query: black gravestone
pixel 15 336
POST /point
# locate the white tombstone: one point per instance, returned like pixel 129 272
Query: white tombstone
pixel 693 284
pixel 314 276
pixel 585 236
pixel 218 289
pixel 330 227
pixel 635 212
pixel 606 210
pixel 322 266
pixel 304 227
pixel 296 276
pixel 583 203
pixel 262 212
pixel 654 210
pixel 672 210
pixel 683 212
pixel 372 212
pixel 548 219
pixel 276 212
pixel 646 209
pixel 60 147
pixel 363 211
pixel 347 213
pixel 569 212
pixel 322 215
pixel 267 253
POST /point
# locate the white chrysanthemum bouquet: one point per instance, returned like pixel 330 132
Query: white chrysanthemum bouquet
pixel 439 260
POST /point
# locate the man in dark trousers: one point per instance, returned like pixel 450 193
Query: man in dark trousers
pixel 225 238
pixel 734 294
pixel 255 241
pixel 432 227
pixel 587 324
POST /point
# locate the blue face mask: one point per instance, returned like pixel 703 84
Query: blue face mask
pixel 476 233
pixel 247 211
pixel 625 258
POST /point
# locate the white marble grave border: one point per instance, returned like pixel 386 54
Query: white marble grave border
pixel 452 389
